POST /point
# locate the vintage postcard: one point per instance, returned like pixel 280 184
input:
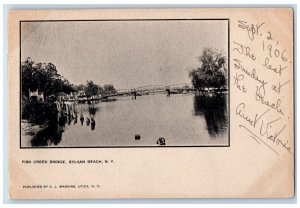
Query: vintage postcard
pixel 151 103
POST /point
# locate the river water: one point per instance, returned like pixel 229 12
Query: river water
pixel 182 120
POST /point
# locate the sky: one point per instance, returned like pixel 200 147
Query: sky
pixel 127 54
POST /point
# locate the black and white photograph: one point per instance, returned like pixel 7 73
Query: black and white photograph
pixel 150 104
pixel 124 83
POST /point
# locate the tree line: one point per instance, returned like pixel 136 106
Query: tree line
pixel 91 89
pixel 212 73
pixel 45 78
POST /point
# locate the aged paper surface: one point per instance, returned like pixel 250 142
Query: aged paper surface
pixel 253 157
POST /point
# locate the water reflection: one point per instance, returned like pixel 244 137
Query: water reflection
pixel 70 119
pixel 75 120
pixel 81 119
pixel 124 118
pixel 214 110
pixel 93 123
pixel 93 109
pixel 88 121
pixel 52 133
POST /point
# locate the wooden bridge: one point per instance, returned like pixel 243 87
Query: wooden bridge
pixel 150 89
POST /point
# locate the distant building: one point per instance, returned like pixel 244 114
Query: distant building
pixel 39 96
pixel 81 93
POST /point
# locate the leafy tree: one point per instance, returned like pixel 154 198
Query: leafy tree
pixel 212 71
pixel 79 87
pixel 91 89
pixel 109 88
pixel 43 77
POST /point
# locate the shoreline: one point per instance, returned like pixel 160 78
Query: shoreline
pixel 28 131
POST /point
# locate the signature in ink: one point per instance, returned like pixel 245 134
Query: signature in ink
pixel 266 128
pixel 240 111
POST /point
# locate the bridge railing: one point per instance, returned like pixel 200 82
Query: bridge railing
pixel 149 89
